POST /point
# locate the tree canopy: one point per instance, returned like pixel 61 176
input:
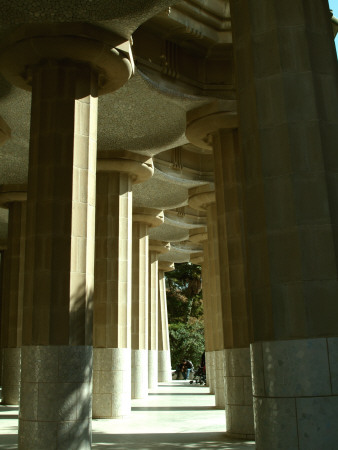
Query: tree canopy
pixel 185 313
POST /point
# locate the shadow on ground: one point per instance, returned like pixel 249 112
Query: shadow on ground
pixel 196 441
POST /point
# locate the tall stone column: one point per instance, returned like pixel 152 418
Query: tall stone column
pixel 155 249
pixel 164 360
pixel 203 198
pixel 143 219
pixel 13 198
pixel 112 301
pixel 214 128
pixel 57 64
pixel 208 325
pixel 287 89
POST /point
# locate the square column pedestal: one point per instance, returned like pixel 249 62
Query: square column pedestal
pixel 56 391
pixel 295 388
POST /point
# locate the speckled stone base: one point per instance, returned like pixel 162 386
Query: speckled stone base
pixel 111 383
pixel 164 366
pixel 238 393
pixel 219 379
pixel 152 369
pixel 11 374
pixel 295 388
pixel 211 373
pixel 139 373
pixel 55 405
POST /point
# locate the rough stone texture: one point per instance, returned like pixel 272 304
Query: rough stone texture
pixel 56 393
pixel 152 369
pixel 238 393
pixel 298 393
pixel 219 379
pixel 164 366
pixel 111 382
pixel 139 373
pixel 11 375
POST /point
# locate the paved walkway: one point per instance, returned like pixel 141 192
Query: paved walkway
pixel 175 416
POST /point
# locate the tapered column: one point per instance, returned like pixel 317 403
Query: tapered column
pixel 56 359
pixel 288 109
pixel 155 249
pixel 164 360
pixel 143 219
pixel 203 198
pixel 112 303
pixel 14 198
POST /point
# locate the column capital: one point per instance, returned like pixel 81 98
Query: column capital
pixel 160 247
pixel 10 193
pixel 139 167
pixel 5 131
pixel 201 197
pixel 108 54
pixel 198 235
pixel 202 122
pixel 150 216
pixel 166 266
pixel 197 258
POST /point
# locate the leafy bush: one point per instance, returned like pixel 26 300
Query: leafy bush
pixel 185 313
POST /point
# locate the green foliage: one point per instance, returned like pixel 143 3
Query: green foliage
pixel 186 342
pixel 185 313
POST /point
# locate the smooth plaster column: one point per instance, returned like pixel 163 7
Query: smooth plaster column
pixel 203 198
pixel 56 356
pixel 112 301
pixel 164 360
pixel 14 198
pixel 143 219
pixel 287 90
pixel 155 249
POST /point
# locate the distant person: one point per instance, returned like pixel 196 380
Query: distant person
pixel 179 369
pixel 187 368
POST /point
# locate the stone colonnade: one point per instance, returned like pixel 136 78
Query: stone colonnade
pixel 164 360
pixel 143 219
pixel 156 248
pixel 113 275
pixel 56 352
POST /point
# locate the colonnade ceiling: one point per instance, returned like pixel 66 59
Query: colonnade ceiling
pixel 183 57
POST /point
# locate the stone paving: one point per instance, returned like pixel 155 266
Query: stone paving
pixel 174 416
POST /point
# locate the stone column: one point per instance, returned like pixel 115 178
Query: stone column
pixel 155 249
pixel 143 219
pixel 56 360
pixel 287 89
pixel 203 198
pixel 164 360
pixel 214 128
pixel 112 302
pixel 14 198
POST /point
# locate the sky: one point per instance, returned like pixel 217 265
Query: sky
pixel 334 6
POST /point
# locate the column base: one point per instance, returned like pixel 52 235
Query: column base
pixel 139 373
pixel 111 383
pixel 238 393
pixel 219 379
pixel 243 437
pixel 11 374
pixel 295 387
pixel 55 403
pixel 164 366
pixel 152 369
pixel 210 359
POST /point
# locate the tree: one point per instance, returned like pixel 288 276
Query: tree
pixel 185 313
